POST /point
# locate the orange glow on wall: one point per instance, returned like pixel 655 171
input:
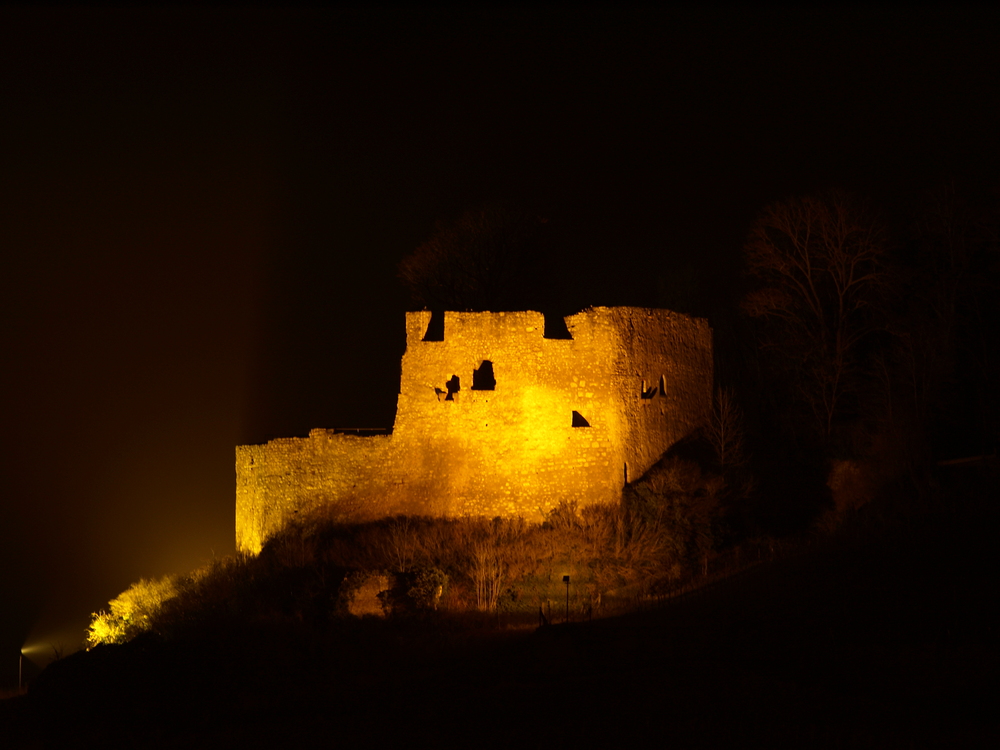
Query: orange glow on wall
pixel 562 421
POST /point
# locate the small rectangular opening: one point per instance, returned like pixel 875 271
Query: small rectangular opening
pixel 435 329
pixel 647 393
pixel 555 327
pixel 483 378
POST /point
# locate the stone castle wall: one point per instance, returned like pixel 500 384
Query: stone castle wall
pixel 496 419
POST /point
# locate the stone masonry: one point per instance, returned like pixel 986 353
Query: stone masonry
pixel 496 420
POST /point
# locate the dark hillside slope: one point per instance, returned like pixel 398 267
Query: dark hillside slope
pixel 872 639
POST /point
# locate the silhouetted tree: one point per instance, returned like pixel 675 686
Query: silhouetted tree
pixel 675 502
pixel 679 289
pixel 491 258
pixel 724 429
pixel 943 361
pixel 819 264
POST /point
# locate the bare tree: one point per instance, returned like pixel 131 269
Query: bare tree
pixel 957 249
pixel 497 554
pixel 401 543
pixel 820 264
pixel 486 260
pixel 942 367
pixel 724 429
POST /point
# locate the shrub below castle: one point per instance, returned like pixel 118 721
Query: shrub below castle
pixel 318 570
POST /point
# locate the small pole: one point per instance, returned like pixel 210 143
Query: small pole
pixel 566 581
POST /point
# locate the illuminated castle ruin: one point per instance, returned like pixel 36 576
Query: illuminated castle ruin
pixel 495 419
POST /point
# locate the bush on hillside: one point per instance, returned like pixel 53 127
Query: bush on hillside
pixel 318 570
pixel 133 611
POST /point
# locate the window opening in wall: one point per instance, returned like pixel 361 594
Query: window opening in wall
pixel 435 329
pixel 555 327
pixel 483 378
pixel 663 385
pixel 626 472
pixel 579 420
pixel 453 388
pixel 647 393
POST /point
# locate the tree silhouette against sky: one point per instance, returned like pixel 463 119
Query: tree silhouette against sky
pixel 821 267
pixel 490 258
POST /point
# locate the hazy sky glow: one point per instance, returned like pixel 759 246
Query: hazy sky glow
pixel 201 214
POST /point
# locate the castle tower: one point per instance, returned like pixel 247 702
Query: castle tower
pixel 493 418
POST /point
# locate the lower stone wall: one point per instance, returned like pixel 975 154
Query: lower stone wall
pixel 361 478
pixel 290 477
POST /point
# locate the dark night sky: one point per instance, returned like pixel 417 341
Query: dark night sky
pixel 201 214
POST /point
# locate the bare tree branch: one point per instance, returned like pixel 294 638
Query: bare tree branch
pixel 486 260
pixel 820 262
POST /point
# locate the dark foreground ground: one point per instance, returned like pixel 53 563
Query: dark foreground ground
pixel 884 637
